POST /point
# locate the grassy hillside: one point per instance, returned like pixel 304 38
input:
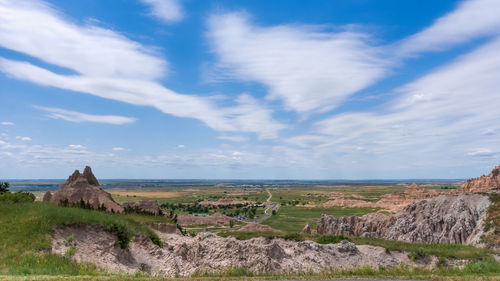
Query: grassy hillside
pixel 25 236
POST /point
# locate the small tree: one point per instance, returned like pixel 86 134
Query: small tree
pixel 4 187
pixel 231 223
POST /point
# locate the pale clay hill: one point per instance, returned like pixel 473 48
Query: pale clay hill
pixel 455 219
pixel 392 202
pixel 183 255
pixel 83 187
pixel 484 183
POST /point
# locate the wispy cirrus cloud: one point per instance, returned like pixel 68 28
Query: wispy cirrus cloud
pixel 440 117
pixel 78 117
pixel 471 19
pixel 23 138
pixel 167 11
pixel 233 138
pixel 111 66
pixel 307 67
pixel 7 123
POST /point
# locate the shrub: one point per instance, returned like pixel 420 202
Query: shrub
pixel 4 187
pixel 294 237
pixel 71 251
pixel 122 233
pixel 331 239
pixel 17 197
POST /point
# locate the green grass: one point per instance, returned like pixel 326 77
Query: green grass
pixel 487 269
pixel 294 218
pixel 493 222
pixel 453 251
pixel 25 236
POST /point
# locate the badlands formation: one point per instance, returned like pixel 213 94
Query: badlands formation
pixel 456 218
pixel 391 202
pixel 83 187
pixel 432 218
pixel 183 256
pixel 483 183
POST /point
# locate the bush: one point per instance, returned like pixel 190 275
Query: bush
pixel 4 187
pixel 70 252
pixel 17 197
pixel 294 237
pixel 330 239
pixel 122 233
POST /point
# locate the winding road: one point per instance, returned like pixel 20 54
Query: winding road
pixel 274 207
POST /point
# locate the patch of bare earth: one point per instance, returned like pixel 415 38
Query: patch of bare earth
pixel 183 256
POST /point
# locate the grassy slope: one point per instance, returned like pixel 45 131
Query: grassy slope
pixel 25 233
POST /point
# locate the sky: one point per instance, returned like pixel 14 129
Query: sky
pixel 279 89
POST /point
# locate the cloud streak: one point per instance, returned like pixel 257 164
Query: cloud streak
pixel 306 67
pixel 470 20
pixel 110 66
pixel 78 117
pixel 167 11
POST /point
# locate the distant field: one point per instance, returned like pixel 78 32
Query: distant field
pixel 294 218
pixel 148 194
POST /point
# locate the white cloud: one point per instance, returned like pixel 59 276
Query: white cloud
pixel 180 146
pixel 233 138
pixel 6 123
pixel 23 138
pixel 36 29
pixel 76 146
pixel 119 149
pixel 481 152
pixel 447 121
pixel 472 19
pixel 310 69
pixel 167 11
pixel 78 117
pixel 127 74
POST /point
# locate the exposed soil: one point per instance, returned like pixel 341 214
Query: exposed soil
pixel 183 256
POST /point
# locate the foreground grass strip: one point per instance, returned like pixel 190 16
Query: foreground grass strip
pixel 25 236
pixel 488 269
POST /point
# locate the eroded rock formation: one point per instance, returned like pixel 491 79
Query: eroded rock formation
pixel 85 187
pixel 214 219
pixel 182 256
pixel 392 202
pixel 456 219
pixel 483 183
pixel 47 196
pixel 256 227
pixel 147 206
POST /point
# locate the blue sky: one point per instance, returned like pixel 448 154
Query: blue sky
pixel 249 89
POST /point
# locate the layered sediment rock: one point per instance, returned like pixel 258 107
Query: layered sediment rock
pixel 456 219
pixel 147 206
pixel 183 256
pixel 47 196
pixel 84 187
pixel 483 183
pixel 392 202
pixel 214 219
